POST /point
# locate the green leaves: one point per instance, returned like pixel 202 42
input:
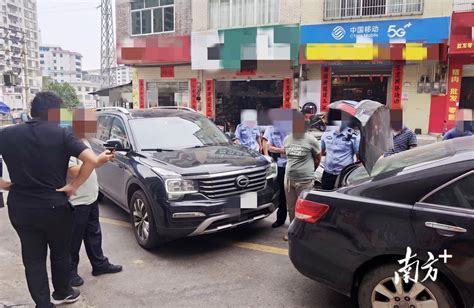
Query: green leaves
pixel 65 91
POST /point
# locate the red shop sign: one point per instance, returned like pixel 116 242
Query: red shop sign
pixel 461 39
pixel 167 71
pixel 325 89
pixel 397 85
pixel 194 93
pixel 141 93
pixel 454 91
pixel 209 95
pixel 287 89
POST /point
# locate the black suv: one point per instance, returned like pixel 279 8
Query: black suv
pixel 178 175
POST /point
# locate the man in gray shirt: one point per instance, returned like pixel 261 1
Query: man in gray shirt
pixel 304 154
pixel 86 214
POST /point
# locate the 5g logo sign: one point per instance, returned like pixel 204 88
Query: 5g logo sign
pixel 394 32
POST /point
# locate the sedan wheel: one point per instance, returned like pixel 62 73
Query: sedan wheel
pixel 377 289
pixel 411 295
pixel 140 220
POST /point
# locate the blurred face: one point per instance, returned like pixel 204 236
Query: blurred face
pixel 299 125
pixel 84 123
pixel 249 118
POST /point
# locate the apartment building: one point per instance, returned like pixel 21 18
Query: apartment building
pixel 19 53
pixel 60 65
pixel 122 74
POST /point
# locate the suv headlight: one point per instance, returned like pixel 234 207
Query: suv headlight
pixel 177 188
pixel 272 172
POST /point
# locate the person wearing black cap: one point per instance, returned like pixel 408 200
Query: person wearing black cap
pixel 38 203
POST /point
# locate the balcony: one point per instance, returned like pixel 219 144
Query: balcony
pixel 348 9
pixel 463 5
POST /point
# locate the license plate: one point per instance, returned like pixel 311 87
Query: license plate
pixel 248 200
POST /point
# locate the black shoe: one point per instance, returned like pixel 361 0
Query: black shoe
pixel 277 224
pixel 108 269
pixel 76 281
pixel 66 299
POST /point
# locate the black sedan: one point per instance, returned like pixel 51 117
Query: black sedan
pixel 353 238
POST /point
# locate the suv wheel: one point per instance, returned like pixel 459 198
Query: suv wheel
pixel 143 221
pixel 378 289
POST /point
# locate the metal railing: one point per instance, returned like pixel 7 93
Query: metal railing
pixel 341 9
pixel 174 108
pixel 121 109
pixel 463 5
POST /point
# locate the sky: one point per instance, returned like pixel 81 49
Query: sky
pixel 73 25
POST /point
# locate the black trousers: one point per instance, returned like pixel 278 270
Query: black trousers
pixel 87 229
pixel 282 210
pixel 39 229
pixel 328 181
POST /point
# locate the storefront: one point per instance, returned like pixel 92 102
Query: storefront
pixel 161 71
pixel 400 63
pixel 461 66
pixel 246 68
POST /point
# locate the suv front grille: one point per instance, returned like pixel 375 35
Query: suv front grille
pixel 226 186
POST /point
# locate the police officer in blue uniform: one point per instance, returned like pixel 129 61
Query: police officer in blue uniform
pixel 339 145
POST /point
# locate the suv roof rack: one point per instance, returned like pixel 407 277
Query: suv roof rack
pixel 175 108
pixel 121 109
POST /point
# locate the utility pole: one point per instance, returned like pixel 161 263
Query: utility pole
pixel 107 50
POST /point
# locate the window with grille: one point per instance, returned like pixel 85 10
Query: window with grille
pixel 242 13
pixel 152 16
pixel 336 9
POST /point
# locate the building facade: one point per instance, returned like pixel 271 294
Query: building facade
pixel 122 74
pixel 84 90
pixel 60 65
pixel 153 38
pixel 393 51
pixel 19 53
pixel 222 56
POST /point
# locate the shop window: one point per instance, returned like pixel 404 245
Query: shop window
pixel 467 93
pixel 242 13
pixel 173 93
pixel 334 9
pixel 152 16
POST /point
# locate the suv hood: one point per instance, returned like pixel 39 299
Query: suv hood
pixel 206 160
pixel 373 121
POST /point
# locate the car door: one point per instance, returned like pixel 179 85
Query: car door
pixel 444 220
pixel 115 170
pixel 104 124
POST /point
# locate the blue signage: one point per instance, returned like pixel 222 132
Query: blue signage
pixel 422 30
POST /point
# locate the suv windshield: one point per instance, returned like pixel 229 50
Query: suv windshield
pixel 422 155
pixel 176 132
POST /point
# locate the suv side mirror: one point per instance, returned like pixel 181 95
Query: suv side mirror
pixel 114 144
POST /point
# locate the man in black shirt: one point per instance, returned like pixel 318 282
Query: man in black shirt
pixel 37 155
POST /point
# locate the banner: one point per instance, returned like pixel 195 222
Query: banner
pixel 397 85
pixel 454 92
pixel 141 93
pixel 194 93
pixel 287 89
pixel 462 38
pixel 209 96
pixel 325 89
pixel 135 93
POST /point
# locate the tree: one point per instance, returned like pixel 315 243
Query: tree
pixel 65 91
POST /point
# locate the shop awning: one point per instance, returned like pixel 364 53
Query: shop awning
pixel 106 91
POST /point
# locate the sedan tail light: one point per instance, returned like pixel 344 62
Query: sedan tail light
pixel 310 211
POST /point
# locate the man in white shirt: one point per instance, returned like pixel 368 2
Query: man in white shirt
pixel 86 221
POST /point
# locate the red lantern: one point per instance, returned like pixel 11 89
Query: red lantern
pixel 349 78
pixel 370 77
pixel 381 77
pixel 338 78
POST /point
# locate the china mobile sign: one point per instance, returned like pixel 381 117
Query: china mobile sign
pixel 421 30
